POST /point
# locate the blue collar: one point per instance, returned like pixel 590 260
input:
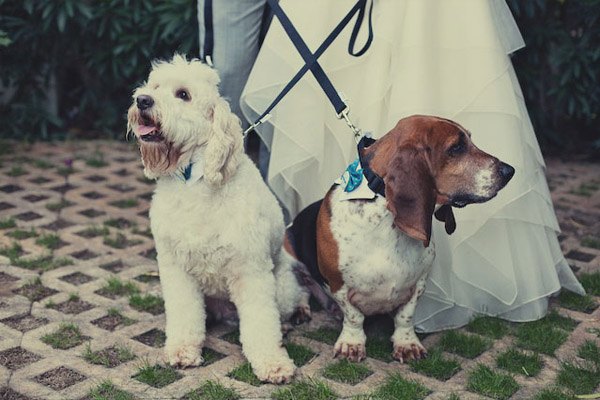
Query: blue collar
pixel 187 172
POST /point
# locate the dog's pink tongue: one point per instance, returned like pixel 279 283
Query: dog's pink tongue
pixel 145 129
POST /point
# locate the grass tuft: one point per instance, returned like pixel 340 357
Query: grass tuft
pixel 42 263
pixel 21 234
pixel 590 351
pixel 16 170
pixel 489 326
pixel 108 391
pixel 591 283
pixel 591 242
pixel 578 378
pixel 436 366
pixel 518 362
pixel 379 348
pixel 13 252
pixel 115 287
pixel 59 205
pixel 66 337
pixel 157 376
pixel 552 394
pixel 468 346
pixel 244 373
pixel 309 389
pixel 489 383
pixel 109 357
pixel 7 223
pixel 96 161
pixel 544 335
pixel 346 372
pixel 299 354
pixel 324 334
pixel 576 302
pixel 120 241
pixel 212 391
pixel 148 303
pixel 396 387
pixel 125 203
pixel 49 241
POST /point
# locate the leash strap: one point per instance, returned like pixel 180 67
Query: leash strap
pixel 209 34
pixel 375 182
pixel 311 59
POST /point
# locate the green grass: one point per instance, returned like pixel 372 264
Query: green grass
pixel 212 391
pixel 65 171
pixel 489 326
pixel 299 354
pixel 435 365
pixel 113 312
pixel 552 394
pixel 157 376
pixel 16 170
pixel 396 387
pixel 148 303
pixel 101 357
pixel 13 251
pixel 244 373
pixel 49 241
pixel 545 335
pixel 66 337
pixel 578 378
pixel 119 241
pixel 576 302
pixel 591 241
pixel 96 161
pixel 590 351
pixel 232 337
pixel 116 287
pixel 492 384
pixel 210 356
pixel 119 223
pixel 379 348
pixel 108 391
pixel 518 362
pixel 591 283
pixel 42 164
pixel 42 263
pixel 453 396
pixel 346 372
pixel 21 234
pixel 125 203
pixel 308 389
pixel 325 335
pixel 468 346
pixel 7 223
pixel 59 205
pixel 585 189
pixel 94 231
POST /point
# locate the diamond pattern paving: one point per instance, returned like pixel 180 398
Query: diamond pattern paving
pixel 61 338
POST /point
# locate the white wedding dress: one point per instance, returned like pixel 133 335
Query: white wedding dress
pixel 440 57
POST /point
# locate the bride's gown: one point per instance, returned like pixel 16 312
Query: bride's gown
pixel 440 57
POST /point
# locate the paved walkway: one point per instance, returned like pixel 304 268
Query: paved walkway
pixel 80 305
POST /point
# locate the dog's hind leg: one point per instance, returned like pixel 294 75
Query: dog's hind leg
pixel 185 313
pixel 292 297
pixel 253 293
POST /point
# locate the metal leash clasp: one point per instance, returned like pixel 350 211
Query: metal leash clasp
pixel 356 130
pixel 257 123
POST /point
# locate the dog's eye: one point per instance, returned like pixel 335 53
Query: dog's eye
pixel 458 148
pixel 183 95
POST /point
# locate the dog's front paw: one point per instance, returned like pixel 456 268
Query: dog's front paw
pixel 184 355
pixel 408 350
pixel 350 347
pixel 277 370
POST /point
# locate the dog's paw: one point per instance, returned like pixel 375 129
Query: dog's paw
pixel 277 370
pixel 183 356
pixel 409 350
pixel 354 352
pixel 301 315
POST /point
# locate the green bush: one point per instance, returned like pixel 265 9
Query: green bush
pixel 559 69
pixel 69 66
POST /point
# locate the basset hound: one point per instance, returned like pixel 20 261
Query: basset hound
pixel 372 252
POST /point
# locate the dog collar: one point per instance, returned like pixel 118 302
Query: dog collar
pixel 192 173
pixel 376 183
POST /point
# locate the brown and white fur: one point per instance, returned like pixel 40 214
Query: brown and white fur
pixel 375 254
pixel 219 235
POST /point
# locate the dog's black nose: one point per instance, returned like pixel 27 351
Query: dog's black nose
pixel 506 172
pixel 144 102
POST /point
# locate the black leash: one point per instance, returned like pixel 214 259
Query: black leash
pixel 311 59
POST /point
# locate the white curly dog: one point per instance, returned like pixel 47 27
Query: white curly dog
pixel 218 229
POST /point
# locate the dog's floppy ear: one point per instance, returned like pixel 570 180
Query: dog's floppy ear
pixel 224 144
pixel 410 193
pixel 445 214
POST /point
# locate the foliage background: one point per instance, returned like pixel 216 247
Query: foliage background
pixel 87 55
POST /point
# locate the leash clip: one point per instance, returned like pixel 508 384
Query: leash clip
pixel 257 123
pixel 356 130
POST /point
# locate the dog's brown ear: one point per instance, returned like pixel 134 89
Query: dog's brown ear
pixel 445 214
pixel 410 193
pixel 224 144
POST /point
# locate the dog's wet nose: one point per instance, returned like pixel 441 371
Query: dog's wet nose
pixel 506 172
pixel 144 102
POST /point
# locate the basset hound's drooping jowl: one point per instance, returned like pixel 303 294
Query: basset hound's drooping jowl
pixel 372 252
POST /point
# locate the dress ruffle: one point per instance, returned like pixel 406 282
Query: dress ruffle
pixel 440 57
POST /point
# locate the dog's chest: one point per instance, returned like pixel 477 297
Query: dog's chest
pixel 380 265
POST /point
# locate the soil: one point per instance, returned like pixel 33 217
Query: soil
pixel 60 378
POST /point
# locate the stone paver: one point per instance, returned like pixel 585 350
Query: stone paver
pixel 76 229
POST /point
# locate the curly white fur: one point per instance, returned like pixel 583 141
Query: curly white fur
pixel 220 236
